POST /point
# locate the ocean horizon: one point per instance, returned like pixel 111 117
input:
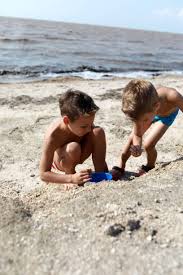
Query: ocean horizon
pixel 38 49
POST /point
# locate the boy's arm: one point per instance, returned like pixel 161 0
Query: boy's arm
pixel 135 148
pixel 175 97
pixel 99 150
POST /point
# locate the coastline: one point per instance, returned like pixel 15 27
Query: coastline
pixel 45 228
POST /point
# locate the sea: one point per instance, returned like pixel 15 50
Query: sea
pixel 32 50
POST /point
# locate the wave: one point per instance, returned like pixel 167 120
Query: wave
pixel 110 75
pixel 37 70
pixel 85 72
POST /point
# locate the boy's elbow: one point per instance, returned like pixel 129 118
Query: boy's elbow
pixel 42 176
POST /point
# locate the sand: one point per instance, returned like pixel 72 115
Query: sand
pixel 131 227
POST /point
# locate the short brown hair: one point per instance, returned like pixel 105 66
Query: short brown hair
pixel 74 103
pixel 139 97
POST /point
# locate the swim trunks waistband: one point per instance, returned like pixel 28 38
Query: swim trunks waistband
pixel 167 120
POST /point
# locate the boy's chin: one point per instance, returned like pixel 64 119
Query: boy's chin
pixel 79 135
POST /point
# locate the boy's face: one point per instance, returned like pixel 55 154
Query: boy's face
pixel 146 119
pixel 82 125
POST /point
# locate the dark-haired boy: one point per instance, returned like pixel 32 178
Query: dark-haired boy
pixel 147 106
pixel 72 139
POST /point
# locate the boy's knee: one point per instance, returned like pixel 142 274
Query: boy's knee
pixel 99 132
pixel 73 150
pixel 148 146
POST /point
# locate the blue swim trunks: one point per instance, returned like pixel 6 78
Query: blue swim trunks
pixel 167 120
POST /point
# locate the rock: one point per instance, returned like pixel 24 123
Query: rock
pixel 115 229
pixel 154 232
pixel 157 201
pixel 133 225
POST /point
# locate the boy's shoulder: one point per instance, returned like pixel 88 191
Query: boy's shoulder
pixel 166 91
pixel 54 131
pixel 170 95
pixel 164 88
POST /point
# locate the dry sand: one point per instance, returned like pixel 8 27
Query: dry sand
pixel 131 227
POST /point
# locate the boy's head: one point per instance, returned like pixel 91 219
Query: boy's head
pixel 139 97
pixel 78 111
pixel 74 103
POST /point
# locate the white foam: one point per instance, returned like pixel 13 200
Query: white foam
pixel 108 75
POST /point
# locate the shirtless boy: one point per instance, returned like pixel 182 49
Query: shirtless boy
pixel 147 106
pixel 71 140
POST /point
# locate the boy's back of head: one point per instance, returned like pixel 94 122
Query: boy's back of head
pixel 139 97
pixel 74 103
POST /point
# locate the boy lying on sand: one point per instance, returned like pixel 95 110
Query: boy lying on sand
pixel 146 107
pixel 71 140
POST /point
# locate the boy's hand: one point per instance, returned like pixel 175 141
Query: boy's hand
pixel 117 173
pixel 81 177
pixel 136 150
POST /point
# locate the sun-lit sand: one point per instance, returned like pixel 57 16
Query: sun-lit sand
pixel 46 230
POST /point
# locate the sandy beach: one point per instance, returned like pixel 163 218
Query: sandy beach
pixel 131 227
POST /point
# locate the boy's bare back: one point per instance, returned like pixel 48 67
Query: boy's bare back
pixel 168 100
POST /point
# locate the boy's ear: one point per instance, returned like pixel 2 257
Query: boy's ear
pixel 66 120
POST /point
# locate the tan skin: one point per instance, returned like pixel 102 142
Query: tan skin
pixel 68 143
pixel 169 101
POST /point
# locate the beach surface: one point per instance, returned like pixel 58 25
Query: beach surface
pixel 131 227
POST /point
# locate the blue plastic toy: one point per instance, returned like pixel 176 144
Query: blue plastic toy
pixel 99 176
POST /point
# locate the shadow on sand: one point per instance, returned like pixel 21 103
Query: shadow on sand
pixel 129 176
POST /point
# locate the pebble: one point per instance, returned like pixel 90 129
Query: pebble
pixel 133 225
pixel 149 238
pixel 152 235
pixel 154 232
pixel 115 229
pixel 157 201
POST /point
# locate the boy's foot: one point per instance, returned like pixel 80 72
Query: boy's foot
pixel 143 170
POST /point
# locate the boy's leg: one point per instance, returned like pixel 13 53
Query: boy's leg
pixel 95 143
pixel 157 131
pixel 67 157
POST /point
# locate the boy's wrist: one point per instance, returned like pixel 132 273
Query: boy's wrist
pixel 70 178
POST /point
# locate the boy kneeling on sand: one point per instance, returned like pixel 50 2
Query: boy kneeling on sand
pixel 71 140
pixel 147 106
